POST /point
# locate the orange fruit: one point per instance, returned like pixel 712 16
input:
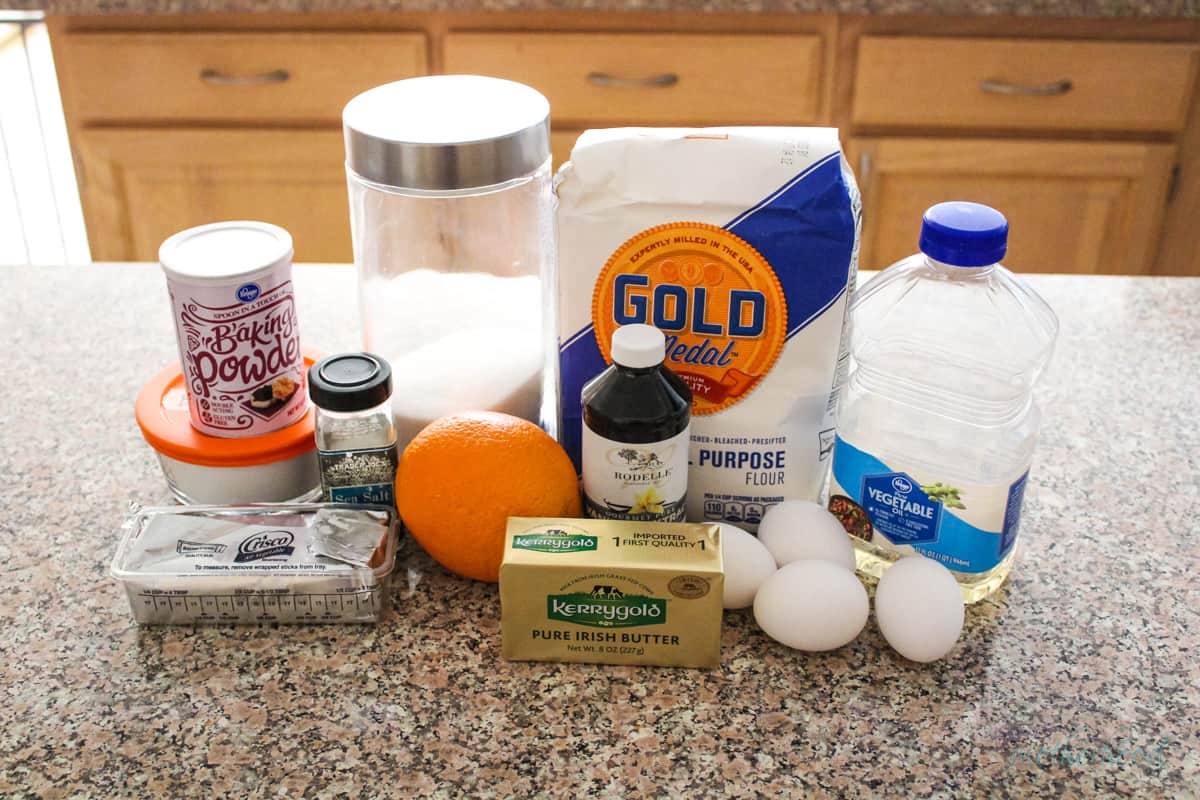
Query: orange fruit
pixel 465 474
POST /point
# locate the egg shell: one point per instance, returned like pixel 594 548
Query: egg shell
pixel 919 609
pixel 747 564
pixel 799 530
pixel 812 605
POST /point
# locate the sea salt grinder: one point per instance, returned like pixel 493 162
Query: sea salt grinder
pixel 356 437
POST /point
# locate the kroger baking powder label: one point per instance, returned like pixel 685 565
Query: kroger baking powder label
pixel 240 350
pixel 635 481
pixel 741 245
pixel 905 509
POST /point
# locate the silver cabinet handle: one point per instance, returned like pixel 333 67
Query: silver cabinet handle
pixel 997 86
pixel 215 78
pixel 652 82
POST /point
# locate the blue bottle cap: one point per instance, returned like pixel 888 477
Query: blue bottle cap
pixel 964 234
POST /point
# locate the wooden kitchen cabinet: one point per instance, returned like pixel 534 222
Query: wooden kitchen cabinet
pixel 176 128
pixel 178 120
pixel 140 185
pixel 561 143
pixel 1075 207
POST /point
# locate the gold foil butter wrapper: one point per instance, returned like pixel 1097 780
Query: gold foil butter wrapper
pixel 610 592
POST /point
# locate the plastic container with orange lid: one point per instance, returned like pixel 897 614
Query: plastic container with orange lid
pixel 275 467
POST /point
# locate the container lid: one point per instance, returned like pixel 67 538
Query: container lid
pixel 350 382
pixel 161 410
pixel 445 132
pixel 217 252
pixel 964 234
pixel 638 346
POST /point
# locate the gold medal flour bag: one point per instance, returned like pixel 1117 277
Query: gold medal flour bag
pixel 741 245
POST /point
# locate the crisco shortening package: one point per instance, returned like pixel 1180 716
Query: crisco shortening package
pixel 612 592
pixel 741 244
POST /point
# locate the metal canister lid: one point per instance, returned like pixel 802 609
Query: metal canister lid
pixel 446 132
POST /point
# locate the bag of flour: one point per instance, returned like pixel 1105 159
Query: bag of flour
pixel 741 245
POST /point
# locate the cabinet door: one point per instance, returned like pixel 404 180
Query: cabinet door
pixel 561 143
pixel 1074 207
pixel 141 185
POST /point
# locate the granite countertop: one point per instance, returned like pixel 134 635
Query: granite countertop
pixel 965 8
pixel 1080 679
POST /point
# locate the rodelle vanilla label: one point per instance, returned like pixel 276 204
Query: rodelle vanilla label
pixel 641 482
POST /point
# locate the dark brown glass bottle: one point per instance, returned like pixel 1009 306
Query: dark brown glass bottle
pixel 636 418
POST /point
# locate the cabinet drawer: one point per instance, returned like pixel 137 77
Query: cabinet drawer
pixel 1023 83
pixel 229 76
pixel 654 78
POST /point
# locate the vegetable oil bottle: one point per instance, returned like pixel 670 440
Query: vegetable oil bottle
pixel 938 422
pixel 636 420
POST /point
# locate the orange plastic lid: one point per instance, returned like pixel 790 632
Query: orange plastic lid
pixel 161 410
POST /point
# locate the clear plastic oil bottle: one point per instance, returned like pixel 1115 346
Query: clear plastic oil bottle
pixel 938 423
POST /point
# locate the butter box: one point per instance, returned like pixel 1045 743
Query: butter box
pixel 612 592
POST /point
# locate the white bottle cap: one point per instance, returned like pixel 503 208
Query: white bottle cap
pixel 221 252
pixel 638 346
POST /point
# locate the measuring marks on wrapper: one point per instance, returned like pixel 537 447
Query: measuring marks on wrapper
pixel 183 607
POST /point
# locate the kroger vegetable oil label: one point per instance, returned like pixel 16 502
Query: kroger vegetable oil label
pixel 741 246
pixel 612 592
pixel 903 509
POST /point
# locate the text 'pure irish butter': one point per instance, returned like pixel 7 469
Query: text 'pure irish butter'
pixel 612 592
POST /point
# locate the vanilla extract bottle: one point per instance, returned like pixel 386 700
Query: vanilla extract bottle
pixel 636 421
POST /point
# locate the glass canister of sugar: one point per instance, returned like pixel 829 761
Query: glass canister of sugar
pixel 452 216
pixel 230 285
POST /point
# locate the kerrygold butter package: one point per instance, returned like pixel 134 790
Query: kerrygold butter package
pixel 741 245
pixel 612 592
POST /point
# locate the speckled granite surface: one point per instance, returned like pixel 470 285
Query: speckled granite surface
pixel 967 8
pixel 1081 679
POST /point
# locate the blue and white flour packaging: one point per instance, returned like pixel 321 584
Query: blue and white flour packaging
pixel 741 245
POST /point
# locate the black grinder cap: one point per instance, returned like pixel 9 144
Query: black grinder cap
pixel 349 382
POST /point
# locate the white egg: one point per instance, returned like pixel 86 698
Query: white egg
pixel 812 605
pixel 919 608
pixel 747 564
pixel 796 530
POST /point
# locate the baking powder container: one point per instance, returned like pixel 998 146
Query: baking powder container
pixel 269 468
pixel 453 226
pixel 235 321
